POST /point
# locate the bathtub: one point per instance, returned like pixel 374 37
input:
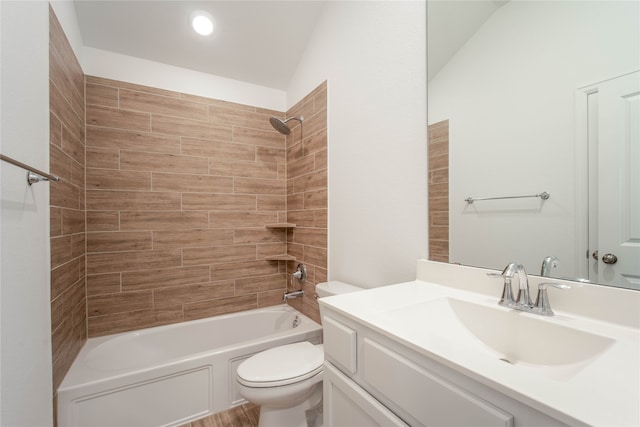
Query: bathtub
pixel 170 375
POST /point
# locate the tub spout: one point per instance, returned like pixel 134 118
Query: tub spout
pixel 293 294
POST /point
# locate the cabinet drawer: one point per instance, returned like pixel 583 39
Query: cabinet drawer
pixel 339 345
pixel 423 395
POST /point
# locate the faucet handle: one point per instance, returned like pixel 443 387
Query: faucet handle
pixel 562 286
pixel 300 274
pixel 542 305
pixel 495 274
pixel 506 298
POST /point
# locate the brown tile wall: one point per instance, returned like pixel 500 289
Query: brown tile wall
pixel 67 200
pixel 307 195
pixel 165 220
pixel 438 154
pixel 179 189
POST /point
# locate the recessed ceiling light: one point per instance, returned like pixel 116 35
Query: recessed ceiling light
pixel 202 22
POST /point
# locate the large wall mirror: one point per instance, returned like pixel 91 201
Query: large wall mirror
pixel 540 96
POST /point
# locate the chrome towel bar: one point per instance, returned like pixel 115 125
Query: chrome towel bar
pixel 544 196
pixel 33 175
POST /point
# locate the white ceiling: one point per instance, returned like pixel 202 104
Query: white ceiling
pixel 259 42
pixel 451 24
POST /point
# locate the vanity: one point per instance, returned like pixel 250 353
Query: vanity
pixel 440 351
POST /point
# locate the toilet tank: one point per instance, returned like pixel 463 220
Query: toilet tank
pixel 327 289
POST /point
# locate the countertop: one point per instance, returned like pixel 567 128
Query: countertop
pixel 602 391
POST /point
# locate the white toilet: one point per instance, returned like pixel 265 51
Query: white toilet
pixel 286 381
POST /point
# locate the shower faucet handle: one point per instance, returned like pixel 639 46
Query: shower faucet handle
pixel 300 274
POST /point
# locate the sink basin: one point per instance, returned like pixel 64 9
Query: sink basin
pixel 514 337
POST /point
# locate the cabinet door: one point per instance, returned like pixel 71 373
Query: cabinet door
pixel 340 345
pixel 347 405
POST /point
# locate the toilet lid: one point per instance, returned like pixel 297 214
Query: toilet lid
pixel 287 363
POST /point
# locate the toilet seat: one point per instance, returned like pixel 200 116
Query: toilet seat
pixel 282 365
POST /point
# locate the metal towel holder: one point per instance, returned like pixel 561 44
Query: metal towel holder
pixel 544 196
pixel 33 175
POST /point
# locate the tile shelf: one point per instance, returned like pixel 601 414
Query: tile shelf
pixel 281 257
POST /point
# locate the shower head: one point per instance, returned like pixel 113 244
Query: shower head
pixel 282 126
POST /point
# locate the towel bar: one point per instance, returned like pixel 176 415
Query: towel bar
pixel 33 175
pixel 544 196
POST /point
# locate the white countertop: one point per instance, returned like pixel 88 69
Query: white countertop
pixel 602 391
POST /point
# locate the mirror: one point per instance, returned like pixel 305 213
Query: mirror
pixel 512 82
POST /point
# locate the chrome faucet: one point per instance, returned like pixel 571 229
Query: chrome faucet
pixel 293 294
pixel 301 275
pixel 523 300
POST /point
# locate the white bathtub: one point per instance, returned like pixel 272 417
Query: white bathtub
pixel 169 375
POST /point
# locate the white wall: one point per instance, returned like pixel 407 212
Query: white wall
pixel 25 328
pixel 373 55
pixel 509 94
pixel 101 63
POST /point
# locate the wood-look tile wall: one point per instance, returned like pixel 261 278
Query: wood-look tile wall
pixel 307 195
pixel 160 213
pixel 438 153
pixel 67 200
pixel 179 189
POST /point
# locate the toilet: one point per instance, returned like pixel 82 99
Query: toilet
pixel 286 381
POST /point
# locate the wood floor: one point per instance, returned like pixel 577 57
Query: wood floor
pixel 246 415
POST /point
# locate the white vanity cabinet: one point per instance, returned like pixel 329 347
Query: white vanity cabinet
pixel 373 379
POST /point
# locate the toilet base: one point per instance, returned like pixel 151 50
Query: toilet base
pixel 295 416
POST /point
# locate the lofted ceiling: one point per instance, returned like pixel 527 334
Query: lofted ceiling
pixel 259 42
pixel 450 24
pixel 255 41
